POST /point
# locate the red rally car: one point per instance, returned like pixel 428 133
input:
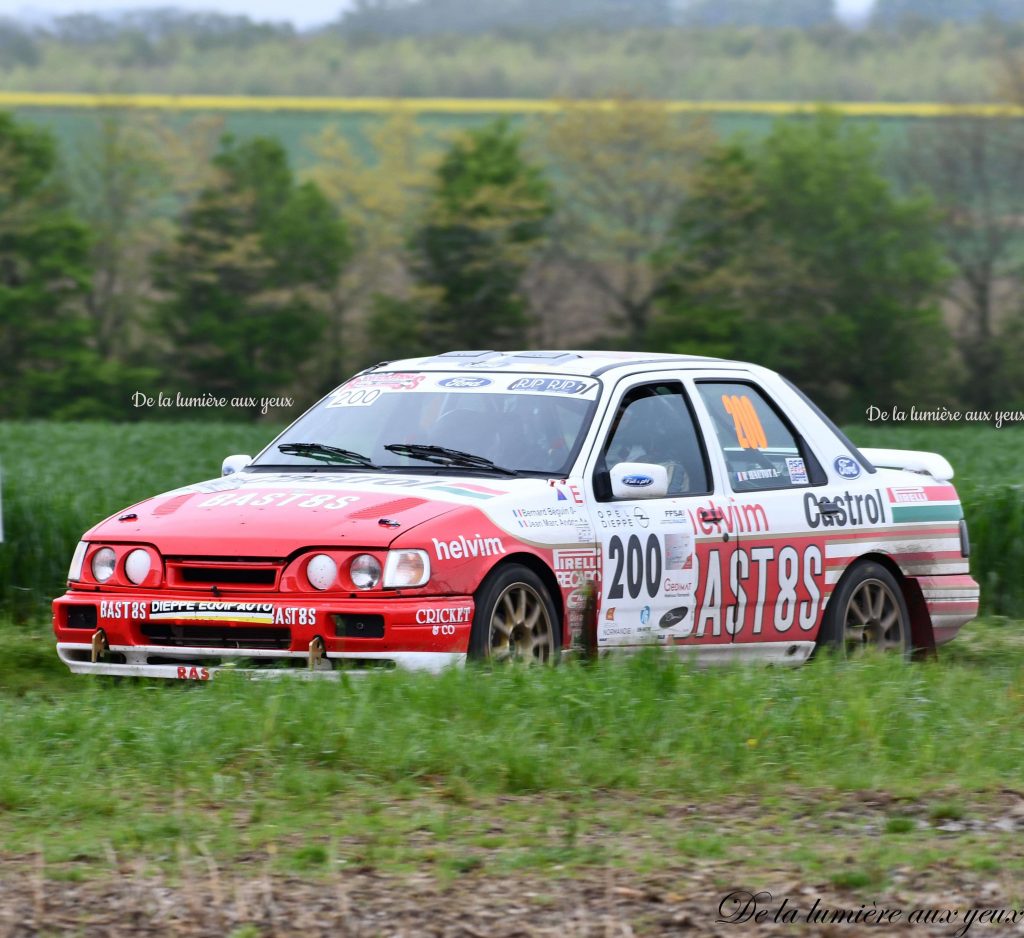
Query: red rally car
pixel 518 505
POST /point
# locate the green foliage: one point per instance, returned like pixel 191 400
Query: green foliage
pixel 59 479
pixel 249 275
pixel 46 366
pixel 486 218
pixel 796 245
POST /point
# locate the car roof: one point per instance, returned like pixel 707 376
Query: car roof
pixel 551 361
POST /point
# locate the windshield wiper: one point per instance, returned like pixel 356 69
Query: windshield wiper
pixel 447 457
pixel 325 453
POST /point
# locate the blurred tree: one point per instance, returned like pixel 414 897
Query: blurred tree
pixel 800 14
pixel 248 278
pixel 47 367
pixel 797 253
pixel 896 12
pixel 431 17
pixel 621 175
pixel 119 180
pixel 487 215
pixel 17 44
pixel 973 168
pixel 380 198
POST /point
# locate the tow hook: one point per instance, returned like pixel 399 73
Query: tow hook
pixel 100 646
pixel 316 653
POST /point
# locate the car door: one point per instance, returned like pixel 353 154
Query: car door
pixel 651 577
pixel 777 575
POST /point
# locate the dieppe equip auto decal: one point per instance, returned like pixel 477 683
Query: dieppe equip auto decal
pixel 195 611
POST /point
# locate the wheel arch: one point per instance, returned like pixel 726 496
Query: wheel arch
pixel 922 637
pixel 547 577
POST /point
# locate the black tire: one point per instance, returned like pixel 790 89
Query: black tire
pixel 515 618
pixel 867 610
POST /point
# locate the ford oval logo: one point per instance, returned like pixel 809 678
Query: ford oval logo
pixel 637 482
pixel 846 467
pixel 464 381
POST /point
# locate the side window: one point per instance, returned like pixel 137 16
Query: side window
pixel 654 424
pixel 761 452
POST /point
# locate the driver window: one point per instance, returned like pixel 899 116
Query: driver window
pixel 761 452
pixel 654 424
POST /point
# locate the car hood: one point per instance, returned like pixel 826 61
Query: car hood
pixel 256 514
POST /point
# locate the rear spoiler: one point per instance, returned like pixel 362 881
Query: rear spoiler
pixel 931 464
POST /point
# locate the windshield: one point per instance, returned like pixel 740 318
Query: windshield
pixel 520 422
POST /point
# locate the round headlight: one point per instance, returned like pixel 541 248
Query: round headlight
pixel 365 572
pixel 103 562
pixel 321 571
pixel 136 566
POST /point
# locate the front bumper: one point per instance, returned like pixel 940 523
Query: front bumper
pixel 182 637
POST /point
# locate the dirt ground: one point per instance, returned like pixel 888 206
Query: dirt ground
pixel 603 904
pixel 247 897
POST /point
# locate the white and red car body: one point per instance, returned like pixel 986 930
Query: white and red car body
pixel 720 575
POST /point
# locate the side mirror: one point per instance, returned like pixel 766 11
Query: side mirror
pixel 234 464
pixel 639 480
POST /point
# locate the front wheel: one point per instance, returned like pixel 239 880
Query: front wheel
pixel 867 611
pixel 515 619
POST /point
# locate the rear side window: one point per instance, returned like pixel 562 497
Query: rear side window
pixel 761 451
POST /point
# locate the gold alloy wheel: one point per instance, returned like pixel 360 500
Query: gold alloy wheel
pixel 873 620
pixel 521 628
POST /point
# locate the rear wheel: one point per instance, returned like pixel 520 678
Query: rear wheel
pixel 867 611
pixel 515 619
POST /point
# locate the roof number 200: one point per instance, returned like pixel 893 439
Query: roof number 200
pixel 642 564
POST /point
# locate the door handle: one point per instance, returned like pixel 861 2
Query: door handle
pixel 827 507
pixel 710 515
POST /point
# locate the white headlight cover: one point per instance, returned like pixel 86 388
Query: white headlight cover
pixel 77 559
pixel 365 571
pixel 137 565
pixel 321 571
pixel 103 562
pixel 406 568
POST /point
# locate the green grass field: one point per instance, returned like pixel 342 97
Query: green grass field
pixel 60 479
pixel 863 781
pixel 581 765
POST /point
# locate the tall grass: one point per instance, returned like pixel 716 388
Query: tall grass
pixel 60 479
pixel 99 759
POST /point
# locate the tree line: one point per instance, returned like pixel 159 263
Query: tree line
pixel 465 49
pixel 202 263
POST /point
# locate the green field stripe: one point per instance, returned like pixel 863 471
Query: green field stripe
pixel 379 105
pixel 927 513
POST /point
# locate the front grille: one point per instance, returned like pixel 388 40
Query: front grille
pixel 216 636
pixel 197 574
